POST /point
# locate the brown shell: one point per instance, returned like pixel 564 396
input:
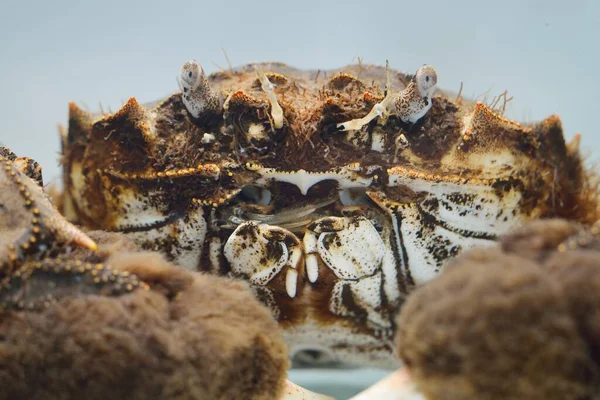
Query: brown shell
pixel 181 185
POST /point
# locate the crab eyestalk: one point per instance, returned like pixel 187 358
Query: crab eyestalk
pixel 410 105
pixel 198 97
pixel 414 101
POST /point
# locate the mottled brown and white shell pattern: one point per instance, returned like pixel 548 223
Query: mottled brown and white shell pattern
pixel 332 193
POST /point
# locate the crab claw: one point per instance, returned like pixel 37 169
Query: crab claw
pixel 396 386
pixel 29 221
pixel 260 252
pixel 295 392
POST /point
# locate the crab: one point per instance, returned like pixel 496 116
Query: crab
pixel 333 193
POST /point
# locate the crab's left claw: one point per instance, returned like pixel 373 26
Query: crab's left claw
pixel 28 220
pixel 260 252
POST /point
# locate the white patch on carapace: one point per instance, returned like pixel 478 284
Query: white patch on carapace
pixel 466 124
pixel 493 165
pixel 357 137
pixel 428 248
pixel 256 131
pixel 378 141
pixel 78 187
pixel 208 138
pixel 400 143
pixel 150 125
pixel 472 207
pixel 135 211
pixel 486 213
pixel 304 180
pixel 185 235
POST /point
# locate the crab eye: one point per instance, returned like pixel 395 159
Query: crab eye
pixel 190 74
pixel 197 95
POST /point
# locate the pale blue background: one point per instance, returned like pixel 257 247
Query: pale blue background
pixel 546 53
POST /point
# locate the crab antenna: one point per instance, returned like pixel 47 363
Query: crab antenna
pixel 269 89
pixel 388 83
pixel 380 109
